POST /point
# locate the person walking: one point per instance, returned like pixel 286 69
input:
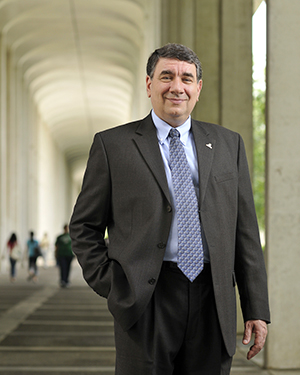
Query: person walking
pixel 44 246
pixel 33 253
pixel 15 254
pixel 64 256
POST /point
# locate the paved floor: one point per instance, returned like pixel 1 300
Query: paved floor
pixel 52 331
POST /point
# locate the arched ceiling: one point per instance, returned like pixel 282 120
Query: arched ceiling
pixel 79 59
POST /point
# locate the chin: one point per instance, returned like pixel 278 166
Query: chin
pixel 175 121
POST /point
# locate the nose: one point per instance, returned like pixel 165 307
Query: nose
pixel 176 86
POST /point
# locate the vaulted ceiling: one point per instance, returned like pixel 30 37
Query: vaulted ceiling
pixel 80 60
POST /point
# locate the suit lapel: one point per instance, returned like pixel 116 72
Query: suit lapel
pixel 147 142
pixel 205 146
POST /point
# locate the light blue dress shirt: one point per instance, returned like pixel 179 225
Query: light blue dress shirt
pixel 186 137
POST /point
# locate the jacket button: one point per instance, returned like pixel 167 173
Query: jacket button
pixel 161 245
pixel 152 281
pixel 169 208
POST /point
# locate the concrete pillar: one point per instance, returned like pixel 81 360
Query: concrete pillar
pixel 196 23
pixel 12 148
pixel 208 42
pixel 17 178
pixel 33 160
pixel 219 31
pixel 3 149
pixel 236 70
pixel 283 182
pixel 23 141
pixel 141 104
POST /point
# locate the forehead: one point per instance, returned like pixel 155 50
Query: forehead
pixel 175 66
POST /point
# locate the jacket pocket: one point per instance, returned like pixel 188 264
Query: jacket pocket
pixel 224 177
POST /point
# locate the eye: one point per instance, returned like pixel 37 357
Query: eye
pixel 165 78
pixel 187 79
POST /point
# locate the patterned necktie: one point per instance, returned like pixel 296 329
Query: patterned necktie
pixel 190 248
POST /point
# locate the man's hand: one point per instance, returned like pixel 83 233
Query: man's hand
pixel 259 328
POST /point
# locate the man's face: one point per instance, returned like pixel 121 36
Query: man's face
pixel 173 90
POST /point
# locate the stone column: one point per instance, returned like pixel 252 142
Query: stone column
pixel 220 32
pixel 141 104
pixel 236 70
pixel 196 24
pixel 22 108
pixel 283 182
pixel 3 149
pixel 12 147
pixel 208 41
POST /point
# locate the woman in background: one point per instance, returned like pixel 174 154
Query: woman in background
pixel 14 253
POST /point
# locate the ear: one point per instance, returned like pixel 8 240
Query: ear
pixel 148 86
pixel 199 88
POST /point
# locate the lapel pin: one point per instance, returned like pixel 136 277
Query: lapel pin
pixel 209 145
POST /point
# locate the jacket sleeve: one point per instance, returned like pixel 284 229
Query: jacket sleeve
pixel 249 264
pixel 90 218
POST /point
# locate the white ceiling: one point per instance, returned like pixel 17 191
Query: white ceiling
pixel 81 61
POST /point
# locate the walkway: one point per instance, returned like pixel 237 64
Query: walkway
pixel 51 331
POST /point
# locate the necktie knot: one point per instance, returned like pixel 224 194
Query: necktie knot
pixel 174 133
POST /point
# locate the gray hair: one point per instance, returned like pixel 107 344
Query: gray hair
pixel 174 51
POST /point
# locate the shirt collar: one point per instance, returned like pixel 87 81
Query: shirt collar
pixel 164 128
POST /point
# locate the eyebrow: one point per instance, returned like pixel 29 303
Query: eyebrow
pixel 186 74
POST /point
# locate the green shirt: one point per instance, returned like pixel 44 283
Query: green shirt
pixel 63 244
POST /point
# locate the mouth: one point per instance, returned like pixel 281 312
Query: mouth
pixel 176 101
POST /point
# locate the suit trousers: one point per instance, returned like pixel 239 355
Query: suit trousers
pixel 178 334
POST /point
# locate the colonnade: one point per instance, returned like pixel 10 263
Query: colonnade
pixel 36 188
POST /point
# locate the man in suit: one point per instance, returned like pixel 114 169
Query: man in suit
pixel 167 322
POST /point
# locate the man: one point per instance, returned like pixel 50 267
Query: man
pixel 64 256
pixel 174 309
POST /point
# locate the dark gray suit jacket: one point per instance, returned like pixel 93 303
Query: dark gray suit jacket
pixel 125 190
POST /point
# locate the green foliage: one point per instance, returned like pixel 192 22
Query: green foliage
pixel 259 140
